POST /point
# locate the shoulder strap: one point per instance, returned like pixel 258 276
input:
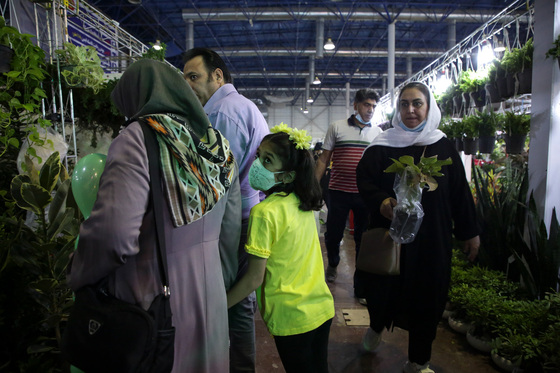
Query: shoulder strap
pixel 156 196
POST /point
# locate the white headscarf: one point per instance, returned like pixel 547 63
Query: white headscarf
pixel 397 137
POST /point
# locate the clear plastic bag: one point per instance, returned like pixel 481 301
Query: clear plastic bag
pixel 408 213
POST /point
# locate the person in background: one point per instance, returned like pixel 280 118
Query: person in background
pixel 241 122
pixel 202 215
pixel 285 260
pixel 415 299
pixel 344 143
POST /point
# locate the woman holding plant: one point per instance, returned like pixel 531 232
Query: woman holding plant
pixel 415 299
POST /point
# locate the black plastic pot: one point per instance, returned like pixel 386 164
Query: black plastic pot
pixel 515 144
pixel 492 93
pixel 486 144
pixel 525 80
pixel 459 144
pixel 6 54
pixel 470 146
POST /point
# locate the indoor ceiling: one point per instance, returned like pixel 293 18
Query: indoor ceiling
pixel 271 46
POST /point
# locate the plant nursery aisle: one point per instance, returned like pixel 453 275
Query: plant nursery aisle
pixel 451 351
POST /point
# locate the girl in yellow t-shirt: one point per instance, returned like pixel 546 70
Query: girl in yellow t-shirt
pixel 285 260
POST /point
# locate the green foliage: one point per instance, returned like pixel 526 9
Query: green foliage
pixel 156 54
pixel 471 124
pixel 489 123
pixel 81 66
pixel 554 52
pixel 516 124
pixel 38 251
pixel 471 81
pixel 22 92
pixel 423 173
pixel 519 59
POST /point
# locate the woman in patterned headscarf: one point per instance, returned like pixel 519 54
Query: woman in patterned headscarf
pixel 415 299
pixel 202 207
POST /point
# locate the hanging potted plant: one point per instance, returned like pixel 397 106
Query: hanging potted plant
pixel 470 131
pixel 554 52
pixel 487 126
pixel 516 127
pixel 524 77
pixel 81 66
pixel 6 52
pixel 491 86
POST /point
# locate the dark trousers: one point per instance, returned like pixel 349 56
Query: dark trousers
pixel 307 352
pixel 340 204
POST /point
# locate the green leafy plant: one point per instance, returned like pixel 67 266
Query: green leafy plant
pixel 154 53
pixel 81 66
pixel 516 124
pixel 489 123
pixel 38 252
pixel 423 173
pixel 471 125
pixel 554 52
pixel 519 59
pixel 472 81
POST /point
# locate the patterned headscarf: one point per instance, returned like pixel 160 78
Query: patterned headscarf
pixel 196 160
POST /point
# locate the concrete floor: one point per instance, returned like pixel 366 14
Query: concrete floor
pixel 451 353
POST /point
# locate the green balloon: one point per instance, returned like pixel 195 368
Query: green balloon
pixel 85 181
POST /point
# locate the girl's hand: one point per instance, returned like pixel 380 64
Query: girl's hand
pixel 386 208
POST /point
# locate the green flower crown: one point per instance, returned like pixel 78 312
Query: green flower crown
pixel 298 137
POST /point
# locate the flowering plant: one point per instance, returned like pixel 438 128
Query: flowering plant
pixel 298 137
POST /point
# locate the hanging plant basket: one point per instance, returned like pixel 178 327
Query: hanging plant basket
pixel 515 144
pixel 466 100
pixel 506 86
pixel 492 93
pixel 459 144
pixel 486 144
pixel 525 79
pixel 6 54
pixel 478 98
pixel 470 146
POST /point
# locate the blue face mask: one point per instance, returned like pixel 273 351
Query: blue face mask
pixel 361 120
pixel 260 178
pixel 418 128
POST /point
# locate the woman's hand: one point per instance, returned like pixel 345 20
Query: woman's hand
pixel 386 208
pixel 470 247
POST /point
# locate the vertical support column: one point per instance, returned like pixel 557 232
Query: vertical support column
pixel 320 37
pixel 409 67
pixel 347 99
pixel 190 34
pixel 544 173
pixel 391 61
pixel 451 34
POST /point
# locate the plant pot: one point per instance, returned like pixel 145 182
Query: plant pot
pixel 458 325
pixel 478 98
pixel 6 54
pixel 525 80
pixel 486 144
pixel 480 344
pixel 466 100
pixel 505 86
pixel 515 144
pixel 503 363
pixel 470 146
pixel 492 93
pixel 457 102
pixel 459 144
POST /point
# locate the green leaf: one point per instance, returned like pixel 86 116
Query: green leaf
pixel 16 192
pixel 59 200
pixel 36 197
pixel 50 171
pixel 407 160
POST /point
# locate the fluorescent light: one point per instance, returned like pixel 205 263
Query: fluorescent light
pixel 305 111
pixel 310 100
pixel 329 45
pixel 316 81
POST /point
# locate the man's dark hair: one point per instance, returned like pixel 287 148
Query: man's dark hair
pixel 365 94
pixel 211 59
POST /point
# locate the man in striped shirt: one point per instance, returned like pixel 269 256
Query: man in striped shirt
pixel 344 144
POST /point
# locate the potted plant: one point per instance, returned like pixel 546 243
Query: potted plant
pixel 554 52
pixel 488 124
pixel 492 91
pixel 518 64
pixel 516 127
pixel 6 52
pixel 81 66
pixel 470 132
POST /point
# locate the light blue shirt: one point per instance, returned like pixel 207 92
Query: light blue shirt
pixel 241 122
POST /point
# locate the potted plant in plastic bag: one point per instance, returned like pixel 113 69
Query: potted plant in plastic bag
pixel 410 181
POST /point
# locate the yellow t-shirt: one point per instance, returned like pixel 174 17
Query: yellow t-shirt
pixel 294 297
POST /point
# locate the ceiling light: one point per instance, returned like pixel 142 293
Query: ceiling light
pixel 316 81
pixel 305 111
pixel 157 45
pixel 329 45
pixel 500 47
pixel 310 100
pixel 135 2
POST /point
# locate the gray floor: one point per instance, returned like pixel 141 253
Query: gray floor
pixel 451 352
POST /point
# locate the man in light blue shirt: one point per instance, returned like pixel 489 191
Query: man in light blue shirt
pixel 241 122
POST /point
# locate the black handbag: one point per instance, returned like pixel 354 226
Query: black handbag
pixel 106 334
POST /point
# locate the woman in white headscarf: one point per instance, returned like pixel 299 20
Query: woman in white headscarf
pixel 415 299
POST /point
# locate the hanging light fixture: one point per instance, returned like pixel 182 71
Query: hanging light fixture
pixel 309 100
pixel 157 45
pixel 305 111
pixel 135 2
pixel 329 45
pixel 316 81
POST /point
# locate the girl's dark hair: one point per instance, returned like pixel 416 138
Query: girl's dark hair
pixel 305 185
